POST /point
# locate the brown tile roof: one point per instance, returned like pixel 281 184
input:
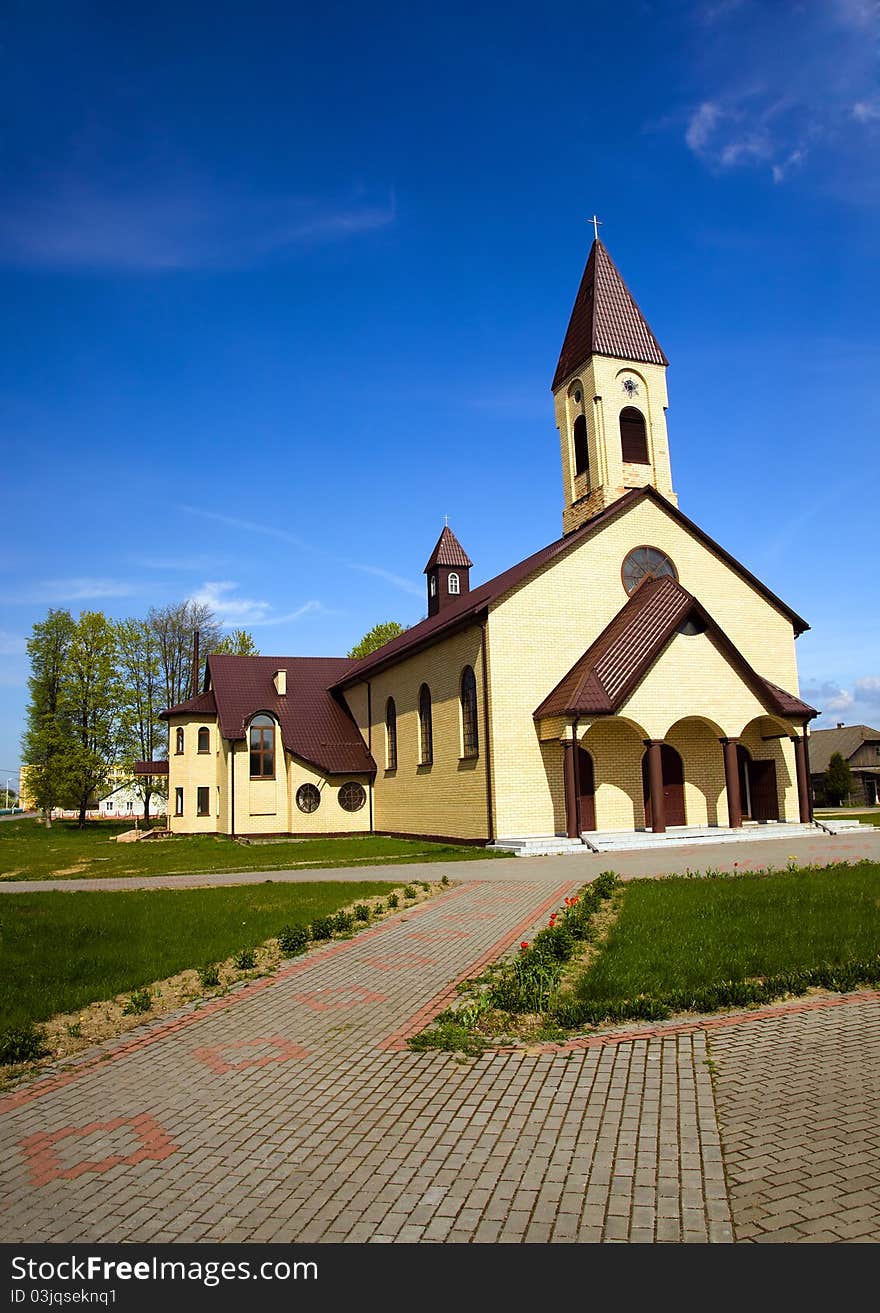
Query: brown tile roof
pixel 846 741
pixel 151 768
pixel 203 704
pixel 605 321
pixel 315 726
pixel 473 605
pixel 448 551
pixel 602 679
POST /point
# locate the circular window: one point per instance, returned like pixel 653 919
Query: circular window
pixel 308 799
pixel 352 796
pixel 577 398
pixel 645 563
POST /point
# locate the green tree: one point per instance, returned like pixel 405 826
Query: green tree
pixel 378 636
pixel 93 698
pixel 144 735
pixel 46 727
pixel 238 643
pixel 837 780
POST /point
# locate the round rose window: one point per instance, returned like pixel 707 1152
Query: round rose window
pixel 352 796
pixel 645 563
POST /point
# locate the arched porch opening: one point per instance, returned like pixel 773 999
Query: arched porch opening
pixel 673 787
pixel 614 746
pixel 766 765
pixel 698 741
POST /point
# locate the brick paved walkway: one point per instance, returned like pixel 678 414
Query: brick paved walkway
pixel 290 1111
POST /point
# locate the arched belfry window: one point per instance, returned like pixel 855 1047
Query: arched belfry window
pixel 204 739
pixel 262 748
pixel 178 740
pixel 433 585
pixel 470 744
pixel 426 731
pixel 581 446
pixel 390 735
pixel 454 585
pixel 633 436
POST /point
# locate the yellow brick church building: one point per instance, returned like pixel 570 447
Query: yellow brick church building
pixel 632 676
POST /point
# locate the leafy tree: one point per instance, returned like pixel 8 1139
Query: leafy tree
pixel 378 636
pixel 93 703
pixel 46 728
pixel 238 643
pixel 145 736
pixel 837 780
pixel 175 628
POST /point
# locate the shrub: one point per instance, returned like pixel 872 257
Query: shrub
pixel 342 922
pixel 425 886
pixel 209 975
pixel 409 891
pixel 361 912
pixel 22 1044
pixel 245 959
pixel 140 1000
pixel 322 927
pixel 444 879
pixel 292 939
pixel 606 883
pixel 393 901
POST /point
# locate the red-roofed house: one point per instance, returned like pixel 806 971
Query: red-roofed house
pixel 631 675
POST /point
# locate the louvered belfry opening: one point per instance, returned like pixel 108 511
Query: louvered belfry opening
pixel 633 436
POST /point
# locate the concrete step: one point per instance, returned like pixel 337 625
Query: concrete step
pixel 682 836
pixel 537 845
pixel 835 826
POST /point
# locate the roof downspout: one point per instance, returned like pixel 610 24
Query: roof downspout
pixel 370 745
pixel 490 808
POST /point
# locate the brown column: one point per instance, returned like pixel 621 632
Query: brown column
pixel 803 778
pixel 655 785
pixel 731 780
pixel 571 807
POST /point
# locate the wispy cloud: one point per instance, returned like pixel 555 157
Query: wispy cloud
pixel 78 589
pixel 72 222
pixel 857 704
pixel 232 610
pixel 787 91
pixel 867 689
pixel 827 696
pixel 283 535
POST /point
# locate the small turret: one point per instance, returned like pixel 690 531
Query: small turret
pixel 448 572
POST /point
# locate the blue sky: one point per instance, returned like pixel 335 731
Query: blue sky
pixel 284 285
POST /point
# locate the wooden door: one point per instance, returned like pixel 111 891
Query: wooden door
pixel 673 787
pixel 762 787
pixel 586 785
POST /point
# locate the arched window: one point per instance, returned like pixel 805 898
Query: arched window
pixel 426 733
pixel 262 746
pixel 178 741
pixel 454 586
pixel 470 744
pixel 390 735
pixel 204 739
pixel 433 585
pixel 633 436
pixel 581 446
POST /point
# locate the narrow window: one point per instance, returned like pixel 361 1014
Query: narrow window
pixel 581 446
pixel 204 739
pixel 433 585
pixel 470 745
pixel 390 735
pixel 633 436
pixel 426 733
pixel 202 801
pixel 178 802
pixel 178 742
pixel 262 746
pixel 454 588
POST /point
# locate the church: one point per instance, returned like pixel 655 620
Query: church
pixel 631 677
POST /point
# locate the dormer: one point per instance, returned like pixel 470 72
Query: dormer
pixel 279 679
pixel 448 572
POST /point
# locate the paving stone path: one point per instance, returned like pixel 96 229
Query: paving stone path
pixel 291 1110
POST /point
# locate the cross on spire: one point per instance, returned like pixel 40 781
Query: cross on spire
pixel 446 520
pixel 597 224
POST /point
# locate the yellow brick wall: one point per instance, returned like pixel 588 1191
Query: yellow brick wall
pixel 330 818
pixel 448 797
pixel 616 749
pixel 537 632
pixel 192 770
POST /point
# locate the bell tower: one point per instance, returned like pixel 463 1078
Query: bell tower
pixel 610 395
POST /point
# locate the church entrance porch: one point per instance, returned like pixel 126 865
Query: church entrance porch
pixel 671 783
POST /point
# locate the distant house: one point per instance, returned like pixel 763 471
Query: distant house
pixel 859 745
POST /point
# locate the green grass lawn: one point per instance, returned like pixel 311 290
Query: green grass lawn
pixel 681 934
pixel 28 851
pixel 867 818
pixel 60 951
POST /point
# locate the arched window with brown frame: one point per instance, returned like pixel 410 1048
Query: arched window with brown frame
pixel 581 446
pixel 204 739
pixel 178 741
pixel 426 729
pixel 262 748
pixel 390 735
pixel 633 436
pixel 470 743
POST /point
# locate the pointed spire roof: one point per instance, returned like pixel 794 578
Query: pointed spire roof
pixel 605 321
pixel 448 551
